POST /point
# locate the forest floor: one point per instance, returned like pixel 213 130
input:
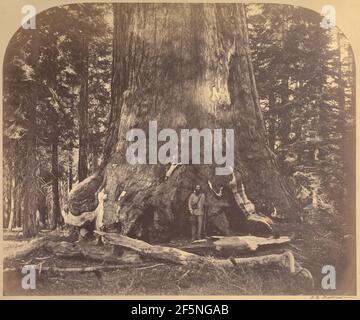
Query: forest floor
pixel 312 247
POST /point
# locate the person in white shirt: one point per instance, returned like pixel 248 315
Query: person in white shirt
pixel 196 205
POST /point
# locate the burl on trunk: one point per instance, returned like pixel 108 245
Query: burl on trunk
pixel 185 66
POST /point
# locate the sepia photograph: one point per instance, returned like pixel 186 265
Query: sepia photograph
pixel 178 149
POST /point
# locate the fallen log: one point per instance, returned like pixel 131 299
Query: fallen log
pixel 20 249
pixel 90 251
pixel 17 249
pixel 154 251
pixel 285 260
pixel 77 269
pixel 240 244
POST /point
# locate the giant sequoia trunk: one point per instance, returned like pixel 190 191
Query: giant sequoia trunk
pixel 185 66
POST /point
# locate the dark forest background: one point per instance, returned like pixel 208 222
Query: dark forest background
pixel 57 109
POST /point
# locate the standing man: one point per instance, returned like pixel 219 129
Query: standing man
pixel 196 207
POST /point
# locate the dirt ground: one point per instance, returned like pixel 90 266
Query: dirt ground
pixel 312 247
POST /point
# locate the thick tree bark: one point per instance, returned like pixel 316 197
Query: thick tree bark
pixel 83 112
pixel 185 66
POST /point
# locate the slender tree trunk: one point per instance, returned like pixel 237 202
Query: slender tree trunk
pixel 12 202
pixel 56 215
pixel 94 158
pixel 9 188
pixel 83 112
pixel 95 162
pixel 195 73
pixel 119 83
pixel 286 120
pixel 322 129
pixel 18 201
pixel 42 208
pixel 341 86
pixel 70 171
pixel 29 212
pixel 285 112
pixel 272 121
pixel 349 155
pixel 30 179
pixel 352 81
